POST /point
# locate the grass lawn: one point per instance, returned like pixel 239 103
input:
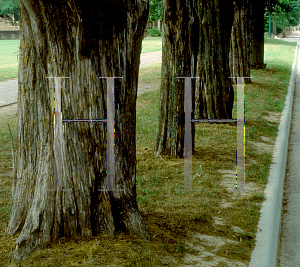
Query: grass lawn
pixel 9 54
pixel 173 217
pixel 151 44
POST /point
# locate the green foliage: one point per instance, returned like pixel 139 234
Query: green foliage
pixel 154 10
pixel 285 13
pixel 8 9
pixel 154 32
pixel 277 5
pixel 293 16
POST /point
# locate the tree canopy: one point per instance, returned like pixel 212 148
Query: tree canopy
pixel 275 5
pixel 285 13
pixel 154 10
pixel 293 15
pixel 9 9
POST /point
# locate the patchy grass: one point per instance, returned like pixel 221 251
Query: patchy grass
pixel 150 73
pixel 9 53
pixel 212 224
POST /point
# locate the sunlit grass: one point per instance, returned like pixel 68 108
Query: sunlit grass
pixel 9 53
pixel 151 44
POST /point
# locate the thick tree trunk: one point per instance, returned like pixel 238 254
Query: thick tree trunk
pixel 257 59
pixel 214 92
pixel 240 43
pixel 180 31
pixel 80 41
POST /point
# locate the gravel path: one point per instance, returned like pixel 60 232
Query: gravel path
pixel 9 88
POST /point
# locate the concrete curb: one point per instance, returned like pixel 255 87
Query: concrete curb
pixel 265 252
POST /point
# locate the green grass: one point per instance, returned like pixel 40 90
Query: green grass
pixel 264 96
pixel 151 44
pixel 150 74
pixel 9 53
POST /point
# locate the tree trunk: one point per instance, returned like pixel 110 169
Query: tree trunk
pixel 214 92
pixel 240 43
pixel 180 31
pixel 80 41
pixel 257 60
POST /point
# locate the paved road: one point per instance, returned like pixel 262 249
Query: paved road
pixel 9 88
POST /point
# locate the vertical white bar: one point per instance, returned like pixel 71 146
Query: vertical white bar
pixel 110 134
pixel 57 136
pixel 240 134
pixel 187 134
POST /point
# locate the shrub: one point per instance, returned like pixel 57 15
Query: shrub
pixel 154 32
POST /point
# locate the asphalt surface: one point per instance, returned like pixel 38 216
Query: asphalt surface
pixel 9 88
pixel 268 252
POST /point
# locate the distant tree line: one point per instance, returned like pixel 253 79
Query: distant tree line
pixel 284 14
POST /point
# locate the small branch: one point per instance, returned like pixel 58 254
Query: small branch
pixel 161 158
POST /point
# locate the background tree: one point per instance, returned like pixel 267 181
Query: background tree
pixel 257 59
pixel 9 11
pixel 284 15
pixel 260 8
pixel 154 10
pixel 73 39
pixel 180 42
pixel 241 37
pixel 293 13
pixel 214 92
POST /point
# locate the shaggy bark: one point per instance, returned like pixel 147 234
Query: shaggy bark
pixel 73 39
pixel 180 31
pixel 14 163
pixel 257 59
pixel 240 43
pixel 214 92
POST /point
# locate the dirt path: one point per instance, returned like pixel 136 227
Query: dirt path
pixel 150 58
